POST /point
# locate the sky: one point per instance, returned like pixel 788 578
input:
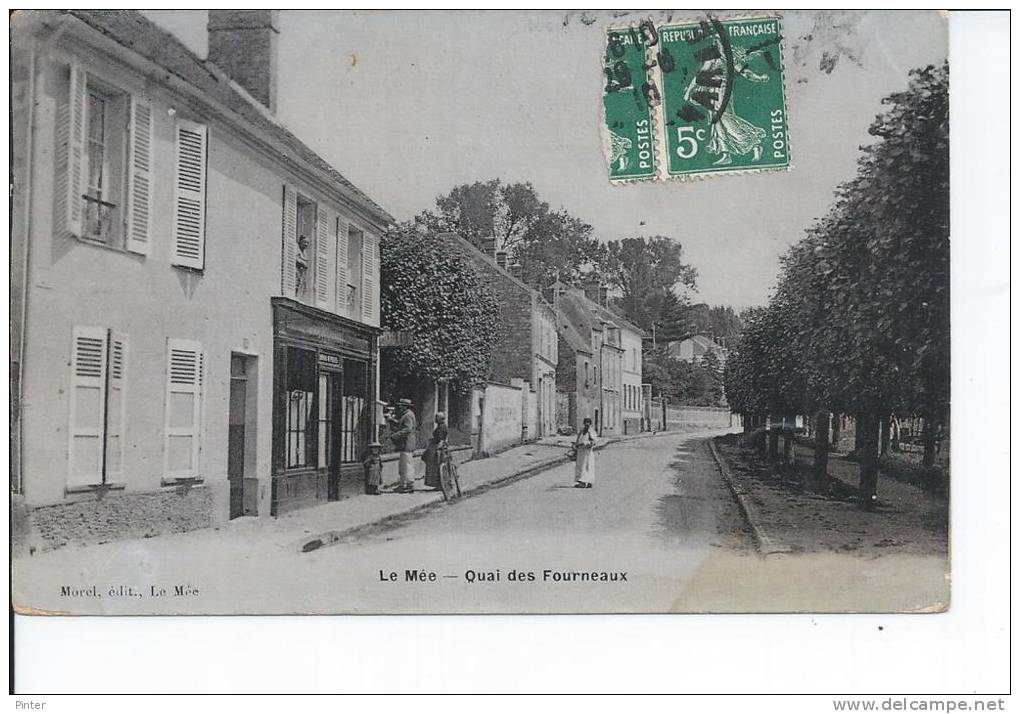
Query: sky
pixel 408 105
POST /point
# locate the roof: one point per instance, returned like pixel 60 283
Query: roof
pixel 705 342
pixel 471 251
pixel 573 338
pixel 603 313
pixel 622 323
pixel 137 33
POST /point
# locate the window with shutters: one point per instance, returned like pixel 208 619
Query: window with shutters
pixel 306 248
pixel 103 164
pixel 99 358
pixel 355 267
pixel 104 150
pixel 184 415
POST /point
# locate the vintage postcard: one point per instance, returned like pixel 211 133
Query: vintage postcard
pixel 392 312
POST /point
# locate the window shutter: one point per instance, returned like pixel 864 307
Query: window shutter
pixel 376 283
pixel 341 266
pixel 189 195
pixel 139 173
pixel 88 380
pixel 325 260
pixel 116 404
pixel 288 270
pixel 368 263
pixel 76 149
pixel 183 408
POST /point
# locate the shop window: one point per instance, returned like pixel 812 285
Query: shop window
pixel 301 426
pixel 355 419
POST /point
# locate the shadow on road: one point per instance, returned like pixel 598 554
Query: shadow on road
pixel 701 508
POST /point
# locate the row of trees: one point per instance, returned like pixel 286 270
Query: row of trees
pixel 859 321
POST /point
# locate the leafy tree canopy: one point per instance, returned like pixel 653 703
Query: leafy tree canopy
pixel 547 244
pixel 860 318
pixel 652 276
pixel 435 293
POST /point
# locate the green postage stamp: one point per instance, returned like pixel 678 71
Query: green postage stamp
pixel 686 99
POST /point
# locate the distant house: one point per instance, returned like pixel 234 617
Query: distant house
pixel 600 361
pixel 694 349
pixel 631 341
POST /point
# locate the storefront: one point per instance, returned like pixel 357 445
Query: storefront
pixel 324 383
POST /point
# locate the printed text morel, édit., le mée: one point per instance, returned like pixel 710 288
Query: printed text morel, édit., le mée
pixel 128 591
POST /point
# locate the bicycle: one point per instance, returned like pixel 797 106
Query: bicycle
pixel 449 480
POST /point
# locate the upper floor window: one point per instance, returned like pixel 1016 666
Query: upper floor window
pixel 103 199
pixel 355 268
pixel 327 261
pixel 306 248
pixel 104 156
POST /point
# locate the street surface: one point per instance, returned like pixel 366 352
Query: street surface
pixel 657 511
pixel 659 532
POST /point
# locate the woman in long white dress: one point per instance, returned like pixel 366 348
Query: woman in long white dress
pixel 585 443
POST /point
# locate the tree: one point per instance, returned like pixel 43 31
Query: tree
pixel 649 272
pixel 433 292
pixel 547 244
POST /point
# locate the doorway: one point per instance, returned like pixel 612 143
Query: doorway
pixel 329 434
pixel 241 436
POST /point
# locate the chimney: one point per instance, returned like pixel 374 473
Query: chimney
pixel 604 295
pixel 517 270
pixel 243 44
pixel 488 246
pixel 501 259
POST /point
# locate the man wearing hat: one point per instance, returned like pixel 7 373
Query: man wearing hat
pixel 405 427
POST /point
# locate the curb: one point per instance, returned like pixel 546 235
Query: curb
pixel 332 537
pixel 763 541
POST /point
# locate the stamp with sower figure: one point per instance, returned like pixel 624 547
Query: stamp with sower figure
pixel 693 98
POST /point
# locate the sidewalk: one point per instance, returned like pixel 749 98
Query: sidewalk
pixel 331 522
pixel 788 519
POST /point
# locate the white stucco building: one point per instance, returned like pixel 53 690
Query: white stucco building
pixel 195 291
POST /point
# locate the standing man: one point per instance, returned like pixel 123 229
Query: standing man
pixel 405 427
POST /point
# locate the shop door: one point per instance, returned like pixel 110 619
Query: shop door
pixel 330 399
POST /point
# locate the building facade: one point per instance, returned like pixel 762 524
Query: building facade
pixel 198 291
pixel 593 358
pixel 526 350
pixel 633 406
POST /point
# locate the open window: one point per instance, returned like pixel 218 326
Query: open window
pixel 106 112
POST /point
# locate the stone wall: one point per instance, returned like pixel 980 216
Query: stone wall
pixel 563 416
pixel 116 516
pixel 683 416
pixel 501 418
